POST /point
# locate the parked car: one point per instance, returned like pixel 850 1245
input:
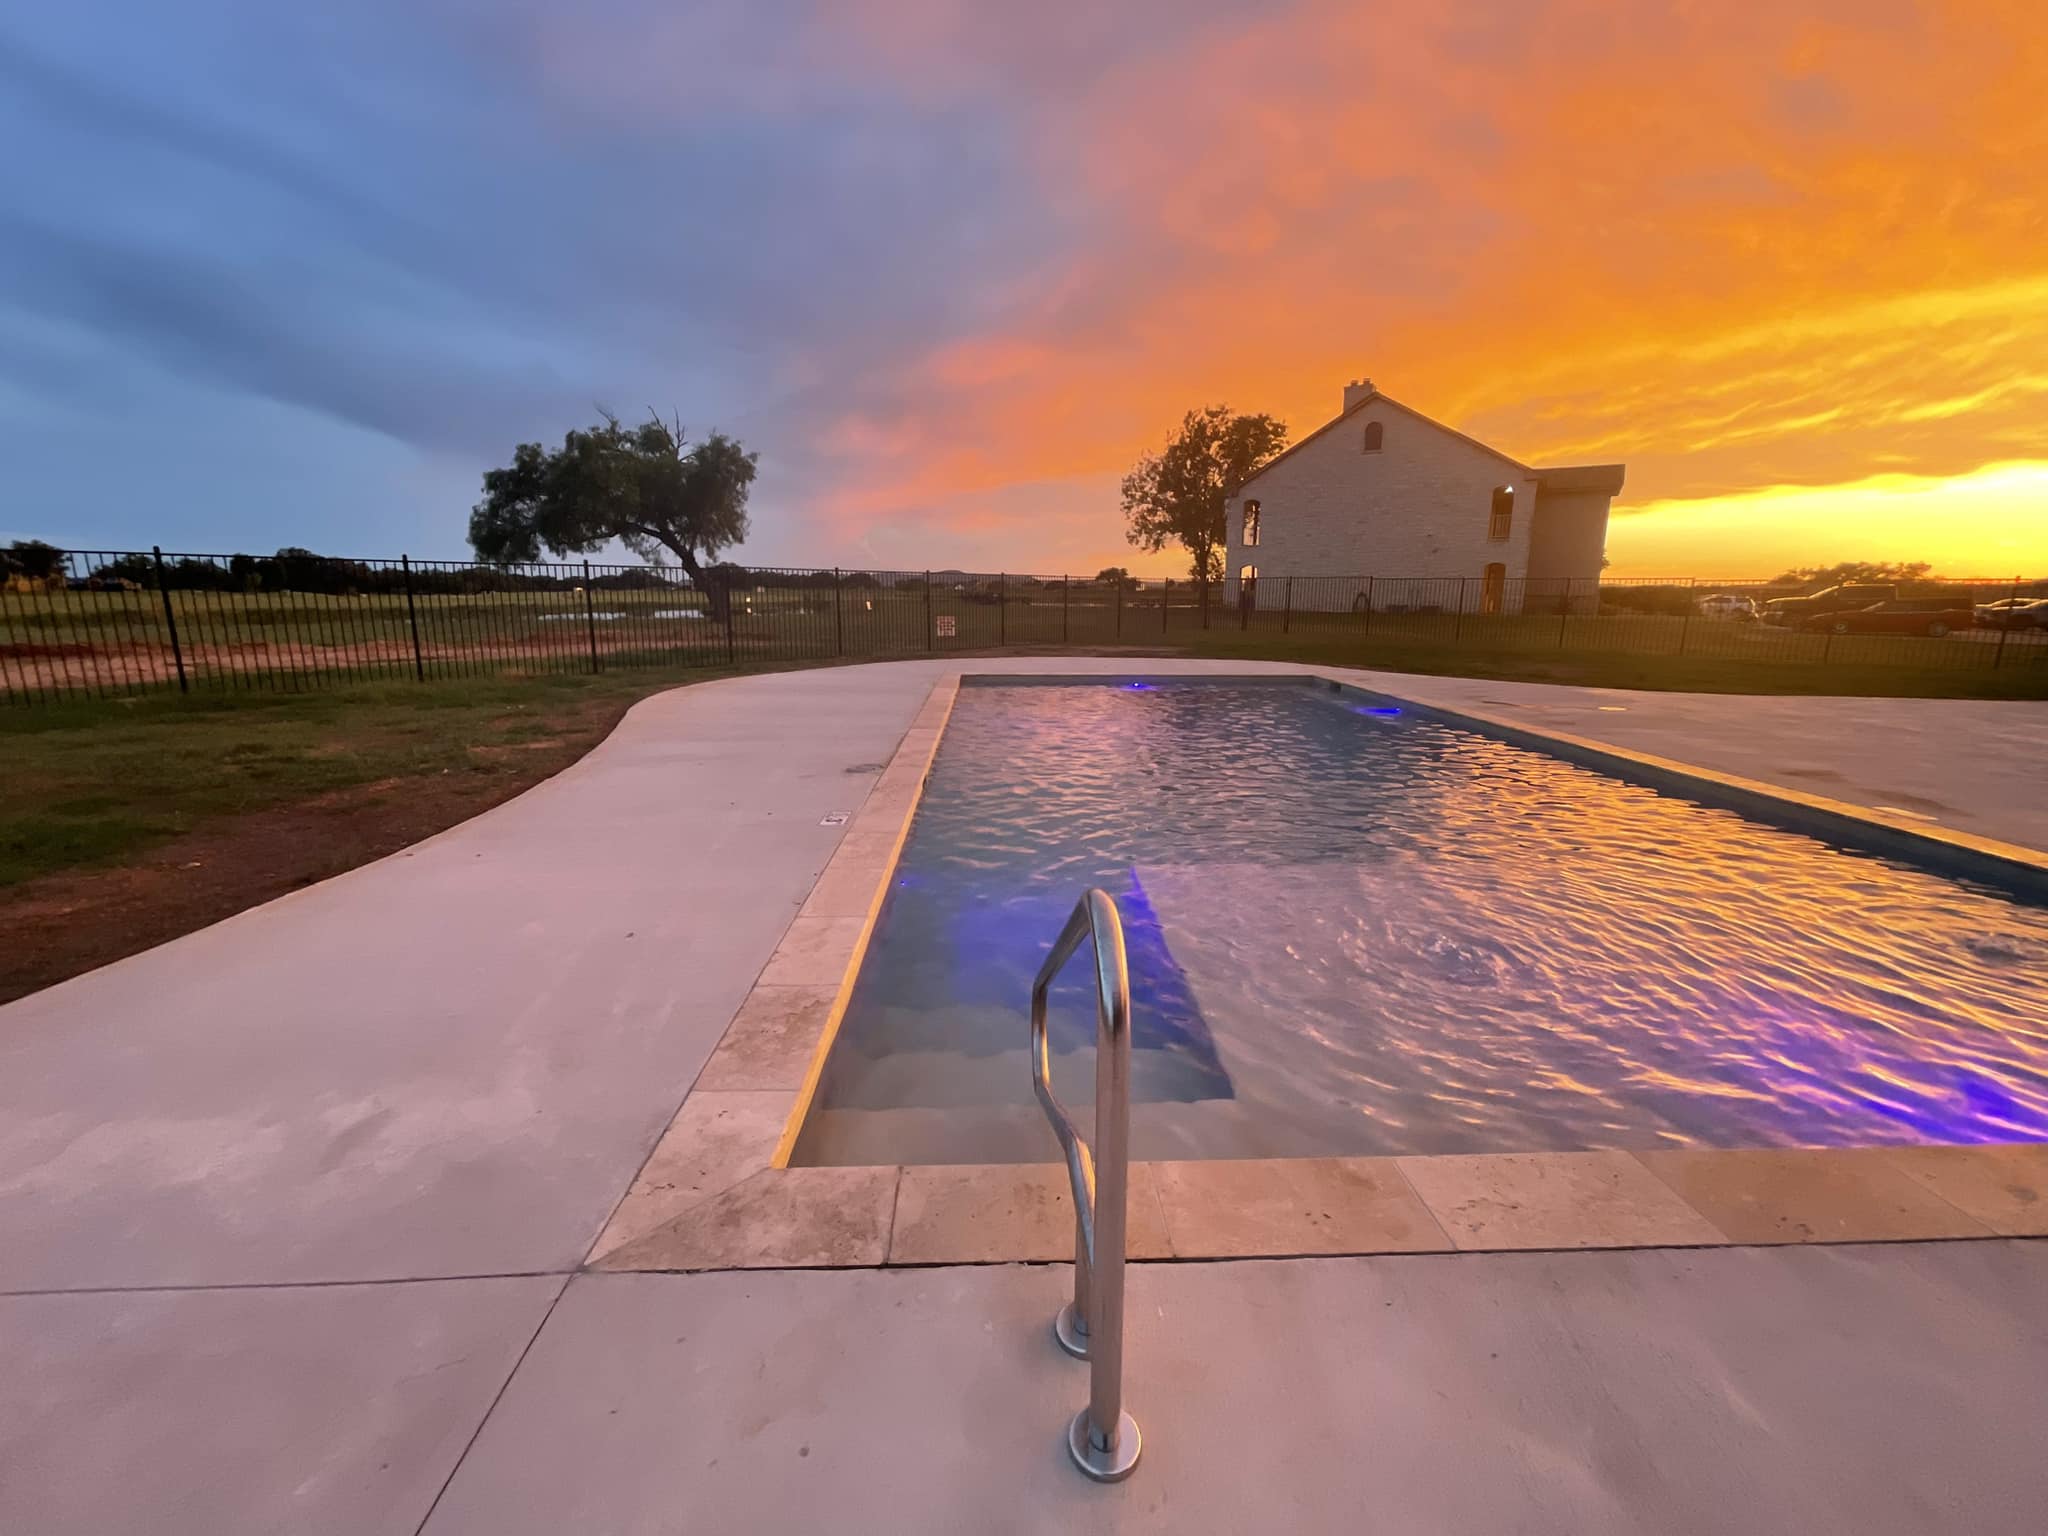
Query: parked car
pixel 2014 613
pixel 1842 599
pixel 1900 616
pixel 1727 605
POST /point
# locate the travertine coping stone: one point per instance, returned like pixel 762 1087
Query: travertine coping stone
pixel 1554 1200
pixel 1005 1212
pixel 1805 1196
pixel 785 1218
pixel 770 1041
pixel 815 952
pixel 1220 1209
pixel 716 1140
pixel 2005 1187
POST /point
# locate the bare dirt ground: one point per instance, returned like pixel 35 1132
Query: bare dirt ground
pixel 61 924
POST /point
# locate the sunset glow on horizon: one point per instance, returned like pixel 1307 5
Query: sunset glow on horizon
pixel 952 268
pixel 1792 268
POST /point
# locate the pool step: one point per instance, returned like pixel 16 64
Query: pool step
pixel 1004 1133
pixel 942 1079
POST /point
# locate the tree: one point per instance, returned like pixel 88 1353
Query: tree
pixel 32 558
pixel 640 485
pixel 1177 495
pixel 1115 577
pixel 1820 577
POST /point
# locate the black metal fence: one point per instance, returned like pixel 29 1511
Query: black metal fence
pixel 122 622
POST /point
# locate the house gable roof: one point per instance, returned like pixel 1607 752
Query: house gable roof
pixel 1379 399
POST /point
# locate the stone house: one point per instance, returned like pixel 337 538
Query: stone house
pixel 1385 509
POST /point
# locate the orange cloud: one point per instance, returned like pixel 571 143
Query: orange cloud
pixel 1743 249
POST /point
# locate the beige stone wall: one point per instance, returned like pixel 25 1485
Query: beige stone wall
pixel 1569 537
pixel 1416 508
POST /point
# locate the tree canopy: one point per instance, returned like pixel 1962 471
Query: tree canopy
pixel 1115 576
pixel 32 558
pixel 1854 571
pixel 1176 496
pixel 642 485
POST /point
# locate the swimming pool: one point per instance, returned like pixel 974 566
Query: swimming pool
pixel 1359 929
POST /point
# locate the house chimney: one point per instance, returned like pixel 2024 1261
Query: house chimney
pixel 1356 391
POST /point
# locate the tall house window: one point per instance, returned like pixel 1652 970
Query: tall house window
pixel 1251 524
pixel 1373 433
pixel 1502 520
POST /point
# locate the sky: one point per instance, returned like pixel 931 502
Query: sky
pixel 298 274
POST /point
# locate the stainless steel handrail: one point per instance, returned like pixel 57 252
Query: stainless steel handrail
pixel 1103 1438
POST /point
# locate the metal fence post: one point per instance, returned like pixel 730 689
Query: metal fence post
pixel 2005 628
pixel 1287 612
pixel 412 616
pixel 1003 608
pixel 1118 589
pixel 931 639
pixel 1564 611
pixel 1204 582
pixel 732 654
pixel 838 613
pixel 1458 624
pixel 1691 602
pixel 163 587
pixel 1247 591
pixel 1165 602
pixel 590 619
pixel 1063 610
pixel 1368 606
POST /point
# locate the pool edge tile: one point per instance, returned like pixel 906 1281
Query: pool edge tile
pixel 1770 1195
pixel 714 1141
pixel 769 1042
pixel 886 834
pixel 1282 1207
pixel 1503 1201
pixel 2004 1185
pixel 1008 1213
pixel 814 952
pixel 781 1218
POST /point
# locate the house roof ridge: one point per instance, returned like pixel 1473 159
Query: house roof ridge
pixel 1383 398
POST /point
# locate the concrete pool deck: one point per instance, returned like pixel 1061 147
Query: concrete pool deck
pixel 288 1205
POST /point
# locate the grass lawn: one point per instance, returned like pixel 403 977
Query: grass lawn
pixel 2024 676
pixel 129 821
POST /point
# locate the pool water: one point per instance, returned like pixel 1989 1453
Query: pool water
pixel 1355 929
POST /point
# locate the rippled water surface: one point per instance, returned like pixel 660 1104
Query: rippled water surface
pixel 1358 932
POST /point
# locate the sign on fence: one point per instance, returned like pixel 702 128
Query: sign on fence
pixel 946 627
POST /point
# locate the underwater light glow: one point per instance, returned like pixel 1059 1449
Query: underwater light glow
pixel 1142 687
pixel 1382 710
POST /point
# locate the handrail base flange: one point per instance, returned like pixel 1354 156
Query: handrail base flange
pixel 1105 1466
pixel 1071 1332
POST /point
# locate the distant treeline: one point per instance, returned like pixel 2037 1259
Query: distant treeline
pixel 300 570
